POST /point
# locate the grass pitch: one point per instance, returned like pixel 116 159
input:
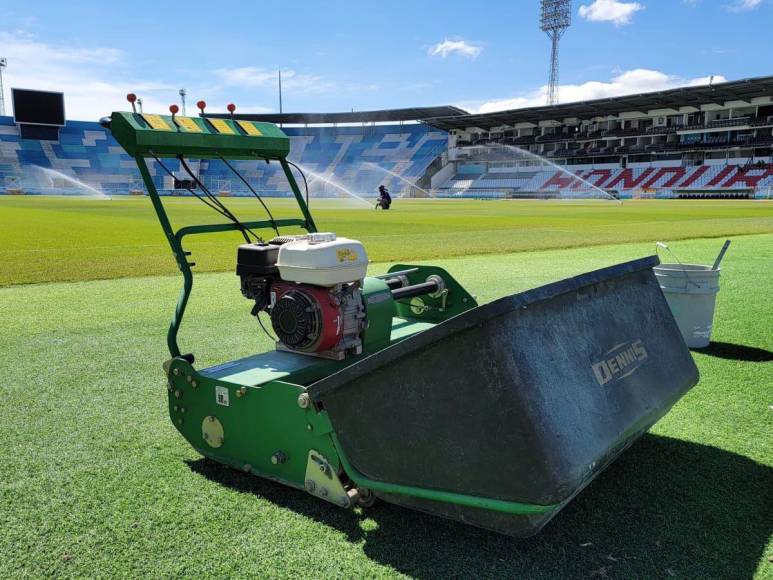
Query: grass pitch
pixel 95 481
pixel 70 239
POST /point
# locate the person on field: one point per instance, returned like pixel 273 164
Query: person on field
pixel 384 199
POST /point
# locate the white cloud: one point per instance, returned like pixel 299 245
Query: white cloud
pixel 619 13
pixel 743 5
pixel 458 47
pixel 95 81
pixel 625 83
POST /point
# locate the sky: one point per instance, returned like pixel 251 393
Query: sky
pixel 342 55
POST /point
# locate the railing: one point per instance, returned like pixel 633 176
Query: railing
pixel 630 132
pixel 729 122
pixel 663 130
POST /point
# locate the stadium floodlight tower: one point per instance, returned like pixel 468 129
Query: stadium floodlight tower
pixel 555 18
pixel 3 64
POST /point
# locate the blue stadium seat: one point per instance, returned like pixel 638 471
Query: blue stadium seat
pixel 351 155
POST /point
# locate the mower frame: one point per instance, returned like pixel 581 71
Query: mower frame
pixel 175 238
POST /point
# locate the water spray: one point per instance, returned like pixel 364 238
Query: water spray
pixel 330 181
pixel 398 176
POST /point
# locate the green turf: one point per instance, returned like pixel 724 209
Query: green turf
pixel 60 239
pixel 95 481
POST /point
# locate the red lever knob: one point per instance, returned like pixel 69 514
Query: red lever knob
pixel 173 109
pixel 201 105
pixel 131 97
pixel 231 107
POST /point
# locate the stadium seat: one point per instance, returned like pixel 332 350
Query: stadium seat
pixel 86 153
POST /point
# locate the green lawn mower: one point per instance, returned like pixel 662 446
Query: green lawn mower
pixel 400 386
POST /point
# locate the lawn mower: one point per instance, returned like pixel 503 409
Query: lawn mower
pixel 401 386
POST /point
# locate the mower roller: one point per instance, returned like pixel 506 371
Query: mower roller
pixel 401 386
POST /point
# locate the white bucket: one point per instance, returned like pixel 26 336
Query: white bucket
pixel 691 292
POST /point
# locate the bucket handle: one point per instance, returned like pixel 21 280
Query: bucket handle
pixel 661 245
pixel 721 255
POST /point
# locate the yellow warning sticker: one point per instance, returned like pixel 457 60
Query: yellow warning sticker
pixel 346 254
pixel 188 124
pixel 222 127
pixel 250 129
pixel 156 122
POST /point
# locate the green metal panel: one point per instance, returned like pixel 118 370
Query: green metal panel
pixel 265 431
pixel 300 369
pixel 138 138
pixel 262 368
pixel 380 309
pixel 454 300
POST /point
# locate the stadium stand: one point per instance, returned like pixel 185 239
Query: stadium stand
pixel 87 153
pixel 699 141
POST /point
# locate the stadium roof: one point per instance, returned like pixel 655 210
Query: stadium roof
pixel 742 90
pixel 387 115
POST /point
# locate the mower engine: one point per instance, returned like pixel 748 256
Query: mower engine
pixel 311 287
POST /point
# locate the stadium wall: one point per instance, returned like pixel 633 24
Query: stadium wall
pixel 661 180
